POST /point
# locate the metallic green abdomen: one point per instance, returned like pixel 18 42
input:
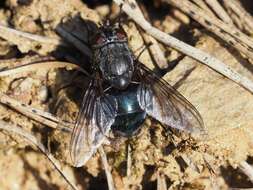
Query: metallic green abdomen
pixel 130 116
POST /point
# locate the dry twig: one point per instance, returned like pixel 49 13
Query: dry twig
pixel 218 9
pixel 155 51
pixel 161 182
pixel 247 169
pixel 243 17
pixel 129 161
pixel 110 182
pixel 7 33
pixel 35 114
pixel 129 167
pixel 228 33
pixel 202 5
pixel 153 46
pixel 195 53
pixel 39 66
pixel 190 163
pixel 12 63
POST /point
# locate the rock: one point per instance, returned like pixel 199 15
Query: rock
pixel 225 106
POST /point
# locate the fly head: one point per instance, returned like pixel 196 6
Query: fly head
pixel 108 33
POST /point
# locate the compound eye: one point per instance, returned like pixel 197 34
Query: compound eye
pixel 121 34
pixel 98 39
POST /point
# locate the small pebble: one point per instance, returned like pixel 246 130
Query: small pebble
pixel 43 93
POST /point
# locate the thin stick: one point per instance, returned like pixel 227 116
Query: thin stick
pixel 39 66
pixel 161 182
pixel 218 9
pixel 12 63
pixel 195 53
pixel 42 65
pixel 237 21
pixel 247 169
pixel 202 4
pixel 190 163
pixel 32 139
pixel 129 167
pixel 35 114
pixel 200 16
pixel 228 33
pixel 129 161
pixel 153 46
pixel 243 16
pixel 7 34
pixel 110 182
pixel 155 51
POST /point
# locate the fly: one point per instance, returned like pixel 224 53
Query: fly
pixel 121 94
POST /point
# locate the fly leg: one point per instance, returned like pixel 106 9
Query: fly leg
pixel 118 18
pixel 62 92
pixel 143 49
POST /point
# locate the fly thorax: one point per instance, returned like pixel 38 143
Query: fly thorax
pixel 117 67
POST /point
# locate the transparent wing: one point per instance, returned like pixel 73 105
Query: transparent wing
pixel 164 103
pixel 95 117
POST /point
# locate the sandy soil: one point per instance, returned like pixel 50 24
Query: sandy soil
pixel 185 163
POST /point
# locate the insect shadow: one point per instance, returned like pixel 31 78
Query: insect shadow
pixel 67 92
pixel 73 82
pixel 42 184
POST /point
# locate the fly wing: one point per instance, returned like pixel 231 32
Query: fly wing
pixel 164 103
pixel 94 120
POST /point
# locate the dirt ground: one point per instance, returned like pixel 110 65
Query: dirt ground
pixel 184 162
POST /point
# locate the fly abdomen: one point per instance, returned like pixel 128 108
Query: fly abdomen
pixel 128 125
pixel 130 116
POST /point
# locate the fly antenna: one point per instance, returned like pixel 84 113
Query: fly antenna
pixel 118 18
pixel 144 48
